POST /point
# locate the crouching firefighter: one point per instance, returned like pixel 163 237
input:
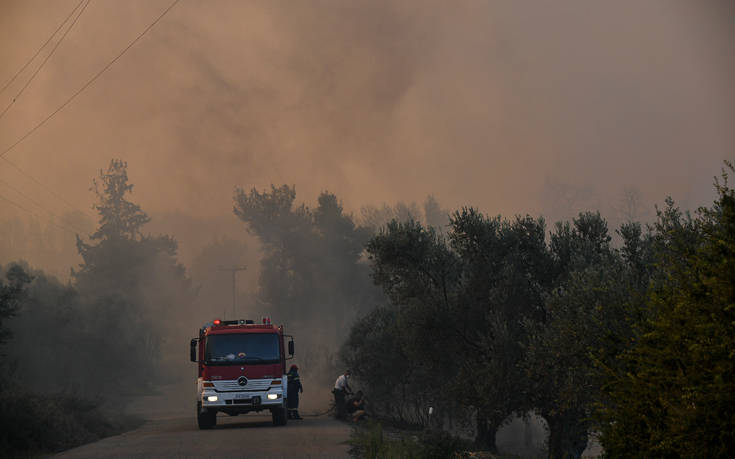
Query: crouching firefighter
pixel 294 388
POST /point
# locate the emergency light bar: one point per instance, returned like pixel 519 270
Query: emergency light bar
pixel 229 322
pixel 233 322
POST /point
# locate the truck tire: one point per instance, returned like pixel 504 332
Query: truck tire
pixel 279 416
pixel 207 419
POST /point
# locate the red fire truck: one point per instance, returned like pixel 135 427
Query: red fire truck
pixel 242 368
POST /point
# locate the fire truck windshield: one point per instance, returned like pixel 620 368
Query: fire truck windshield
pixel 242 348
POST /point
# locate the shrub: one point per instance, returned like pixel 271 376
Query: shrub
pixel 31 423
pixel 374 442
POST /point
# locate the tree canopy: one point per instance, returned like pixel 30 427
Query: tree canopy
pixel 675 394
pixel 494 317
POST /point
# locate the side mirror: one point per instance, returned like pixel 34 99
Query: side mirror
pixel 290 348
pixel 193 350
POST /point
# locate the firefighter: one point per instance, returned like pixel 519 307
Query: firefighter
pixel 356 407
pixel 294 387
pixel 341 389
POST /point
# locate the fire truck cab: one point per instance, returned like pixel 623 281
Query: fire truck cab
pixel 242 368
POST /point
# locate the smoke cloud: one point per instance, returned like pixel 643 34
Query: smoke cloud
pixel 480 103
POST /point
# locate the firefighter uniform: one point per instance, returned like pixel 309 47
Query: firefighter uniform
pixel 341 389
pixel 294 388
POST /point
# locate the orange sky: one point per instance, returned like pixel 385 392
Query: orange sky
pixel 480 103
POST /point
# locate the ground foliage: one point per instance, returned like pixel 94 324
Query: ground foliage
pixel 33 424
pixel 374 441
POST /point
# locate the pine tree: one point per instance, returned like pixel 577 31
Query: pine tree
pixel 129 281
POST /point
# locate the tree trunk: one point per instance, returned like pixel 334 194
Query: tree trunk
pixel 567 436
pixel 486 430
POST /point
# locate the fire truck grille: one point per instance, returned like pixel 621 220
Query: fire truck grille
pixel 233 386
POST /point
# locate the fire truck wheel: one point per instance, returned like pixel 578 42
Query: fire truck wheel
pixel 279 416
pixel 206 420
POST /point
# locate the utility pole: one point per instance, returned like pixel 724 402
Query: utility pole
pixel 234 271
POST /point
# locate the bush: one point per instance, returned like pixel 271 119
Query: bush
pixel 374 442
pixel 440 444
pixel 31 423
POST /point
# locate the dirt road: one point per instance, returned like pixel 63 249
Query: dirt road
pixel 170 431
pixel 241 436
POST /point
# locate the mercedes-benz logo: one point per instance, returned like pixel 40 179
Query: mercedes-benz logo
pixel 242 380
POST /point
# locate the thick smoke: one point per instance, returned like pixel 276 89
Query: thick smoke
pixel 480 103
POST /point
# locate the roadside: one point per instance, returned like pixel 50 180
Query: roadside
pixel 519 438
pixel 373 439
pixel 35 425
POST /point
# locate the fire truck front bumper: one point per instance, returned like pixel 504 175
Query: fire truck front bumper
pixel 242 401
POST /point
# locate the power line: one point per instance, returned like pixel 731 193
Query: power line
pixel 48 56
pixel 45 187
pixel 92 80
pixel 9 82
pixel 30 177
pixel 33 201
pixel 36 215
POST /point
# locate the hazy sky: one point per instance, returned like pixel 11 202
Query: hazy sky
pixel 480 103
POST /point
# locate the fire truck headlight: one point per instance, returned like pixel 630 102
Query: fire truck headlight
pixel 272 396
pixel 212 398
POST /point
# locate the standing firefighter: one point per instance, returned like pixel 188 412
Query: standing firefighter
pixel 294 387
pixel 341 389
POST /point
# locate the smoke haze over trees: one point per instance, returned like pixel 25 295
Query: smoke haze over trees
pixel 100 335
pixel 104 329
pixel 582 113
pixel 480 103
pixel 312 275
pixel 503 313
